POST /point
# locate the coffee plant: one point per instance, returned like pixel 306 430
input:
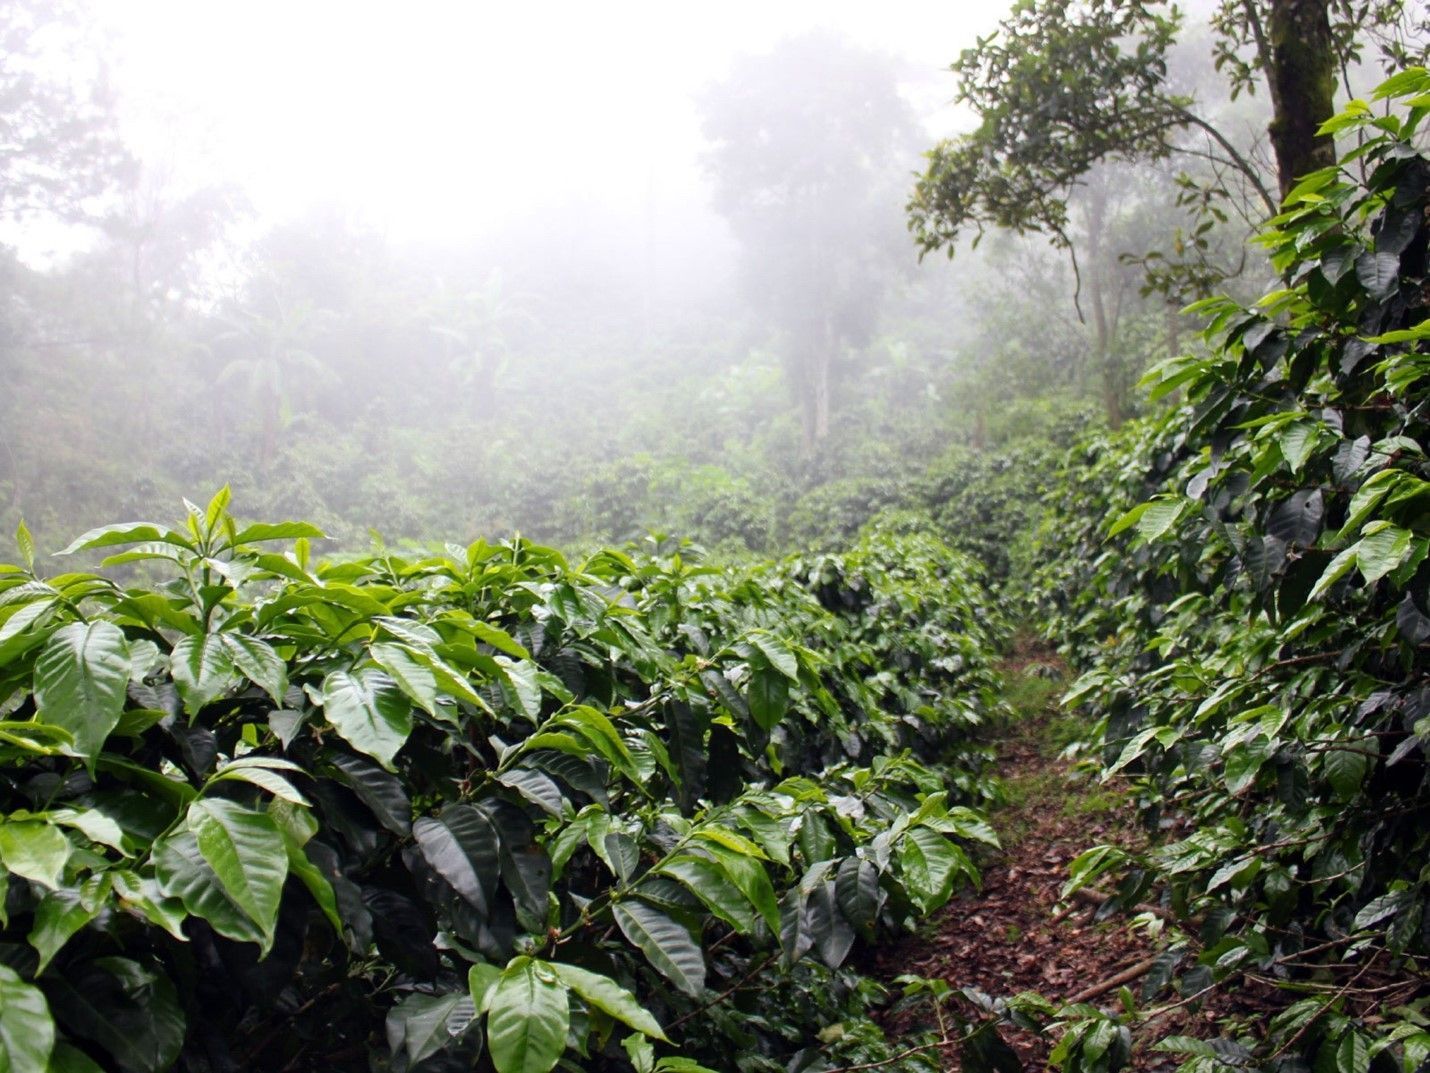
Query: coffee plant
pixel 477 808
pixel 1245 585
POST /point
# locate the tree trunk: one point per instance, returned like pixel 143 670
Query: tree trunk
pixel 1104 327
pixel 822 365
pixel 1302 77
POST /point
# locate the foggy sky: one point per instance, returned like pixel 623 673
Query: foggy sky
pixel 436 121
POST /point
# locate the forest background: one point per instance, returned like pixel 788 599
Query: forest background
pixel 582 368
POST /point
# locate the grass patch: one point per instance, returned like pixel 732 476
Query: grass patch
pixel 1032 695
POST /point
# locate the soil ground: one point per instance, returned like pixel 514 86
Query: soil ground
pixel 1014 934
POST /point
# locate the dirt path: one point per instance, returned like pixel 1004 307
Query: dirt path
pixel 1013 935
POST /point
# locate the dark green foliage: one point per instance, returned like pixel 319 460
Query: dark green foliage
pixel 1244 583
pixel 480 806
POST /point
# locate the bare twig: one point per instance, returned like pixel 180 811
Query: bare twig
pixel 1127 975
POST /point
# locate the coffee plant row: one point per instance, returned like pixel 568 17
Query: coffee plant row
pixel 1245 584
pixel 478 809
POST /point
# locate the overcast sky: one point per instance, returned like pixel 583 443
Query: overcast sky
pixel 437 119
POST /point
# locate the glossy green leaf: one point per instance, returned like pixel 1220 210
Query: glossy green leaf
pixel 36 850
pixel 527 1017
pixel 259 663
pixel 245 850
pixel 27 1031
pixel 368 709
pixel 203 669
pixel 666 943
pixel 463 847
pixel 80 680
pixel 608 996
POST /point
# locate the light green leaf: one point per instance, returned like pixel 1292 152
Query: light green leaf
pixel 245 850
pixel 26 543
pixel 412 676
pixel 707 881
pixel 929 864
pixel 27 1031
pixel 608 996
pixel 368 709
pixel 106 536
pixel 778 653
pixel 259 663
pixel 521 685
pixel 35 850
pixel 528 1015
pixel 80 679
pixel 1159 518
pixel 1338 568
pixel 497 638
pixel 1381 550
pixel 59 915
pixel 255 534
pixel 203 670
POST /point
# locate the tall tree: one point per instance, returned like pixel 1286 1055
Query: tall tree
pixel 1065 85
pixel 60 150
pixel 809 144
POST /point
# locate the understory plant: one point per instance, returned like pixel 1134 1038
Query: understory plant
pixel 1247 594
pixel 477 808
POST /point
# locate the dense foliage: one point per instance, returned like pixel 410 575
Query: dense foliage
pixel 475 806
pixel 1245 584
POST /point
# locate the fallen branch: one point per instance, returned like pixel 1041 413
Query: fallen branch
pixel 1127 975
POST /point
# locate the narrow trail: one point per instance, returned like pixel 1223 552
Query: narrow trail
pixel 1013 934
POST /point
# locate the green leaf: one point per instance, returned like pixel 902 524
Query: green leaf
pixel 59 915
pixel 183 873
pixel 666 944
pixel 537 788
pixel 496 637
pixel 463 847
pixel 27 1031
pixel 708 881
pixel 1297 441
pixel 608 996
pixel 778 653
pixel 1336 569
pixel 750 877
pixel 203 670
pixel 26 543
pixel 312 877
pixel 856 889
pixel 368 709
pixel 106 536
pixel 422 1025
pixel 379 790
pixel 1381 550
pixel 80 679
pixel 414 677
pixel 1128 520
pixel 519 682
pixel 130 1010
pixel 35 850
pixel 259 663
pixel 528 1015
pixel 929 863
pixel 601 733
pixel 1346 770
pixel 1159 518
pixel 255 534
pixel 768 696
pixel 70 1059
pixel 262 776
pixel 246 852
